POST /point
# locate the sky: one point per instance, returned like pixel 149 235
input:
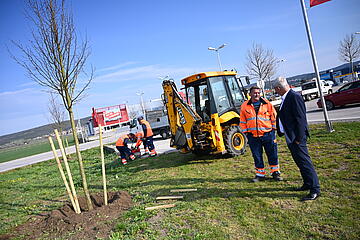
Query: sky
pixel 135 43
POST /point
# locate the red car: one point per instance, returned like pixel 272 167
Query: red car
pixel 347 94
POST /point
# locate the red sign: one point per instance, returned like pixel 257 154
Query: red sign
pixel 112 114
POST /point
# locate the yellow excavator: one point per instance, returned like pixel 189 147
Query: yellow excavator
pixel 206 119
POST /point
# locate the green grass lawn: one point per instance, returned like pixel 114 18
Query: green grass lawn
pixel 226 206
pixel 29 149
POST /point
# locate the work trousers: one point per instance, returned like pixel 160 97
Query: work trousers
pixel 144 143
pixel 302 159
pixel 124 151
pixel 149 143
pixel 268 142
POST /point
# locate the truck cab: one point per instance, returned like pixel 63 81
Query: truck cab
pixel 309 90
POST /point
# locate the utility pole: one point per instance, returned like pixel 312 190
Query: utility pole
pixel 312 50
pixel 142 103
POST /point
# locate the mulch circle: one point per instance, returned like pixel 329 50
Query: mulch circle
pixel 64 222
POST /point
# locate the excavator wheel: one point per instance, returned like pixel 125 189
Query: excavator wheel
pixel 235 141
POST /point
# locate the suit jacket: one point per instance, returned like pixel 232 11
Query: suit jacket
pixel 293 117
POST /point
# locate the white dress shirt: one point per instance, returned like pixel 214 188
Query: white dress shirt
pixel 281 128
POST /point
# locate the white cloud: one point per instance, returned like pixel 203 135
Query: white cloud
pixel 144 73
pixel 29 84
pixel 121 65
pixel 17 92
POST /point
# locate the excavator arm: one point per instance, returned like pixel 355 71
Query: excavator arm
pixel 182 117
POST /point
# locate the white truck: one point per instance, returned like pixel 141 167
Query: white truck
pixel 158 120
pixel 310 90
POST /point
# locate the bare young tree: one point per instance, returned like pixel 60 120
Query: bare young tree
pixel 349 51
pixel 57 114
pixel 261 63
pixel 55 58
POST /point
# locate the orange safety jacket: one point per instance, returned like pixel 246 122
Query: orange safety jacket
pixel 139 138
pixel 122 141
pixel 260 123
pixel 146 128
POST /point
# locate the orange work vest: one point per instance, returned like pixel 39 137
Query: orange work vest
pixel 120 141
pixel 149 131
pixel 139 138
pixel 257 124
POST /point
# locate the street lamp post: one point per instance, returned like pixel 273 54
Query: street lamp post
pixel 281 61
pixel 142 103
pixel 218 54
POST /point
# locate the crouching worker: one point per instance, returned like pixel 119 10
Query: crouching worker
pixel 148 135
pixel 121 146
pixel 140 139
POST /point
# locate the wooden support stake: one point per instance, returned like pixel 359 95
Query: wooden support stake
pixel 67 146
pixel 169 197
pixel 160 207
pixel 77 209
pixel 103 165
pixel 184 190
pixel 61 170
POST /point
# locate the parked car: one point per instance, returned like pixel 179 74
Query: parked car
pixel 347 94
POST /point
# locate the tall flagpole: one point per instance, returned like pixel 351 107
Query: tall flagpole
pixel 327 121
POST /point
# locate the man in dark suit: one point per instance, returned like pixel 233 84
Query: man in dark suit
pixel 293 124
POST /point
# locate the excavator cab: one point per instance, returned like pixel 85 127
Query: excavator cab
pixel 208 121
pixel 213 94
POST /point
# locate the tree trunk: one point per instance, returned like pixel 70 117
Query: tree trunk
pixel 352 71
pixel 78 154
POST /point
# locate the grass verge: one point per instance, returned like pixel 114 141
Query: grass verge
pixel 225 206
pixel 29 149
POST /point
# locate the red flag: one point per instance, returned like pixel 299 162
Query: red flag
pixel 317 2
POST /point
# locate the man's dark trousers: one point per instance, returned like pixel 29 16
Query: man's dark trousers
pixel 302 159
pixel 150 143
pixel 268 142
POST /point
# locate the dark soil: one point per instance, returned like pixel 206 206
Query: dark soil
pixel 64 223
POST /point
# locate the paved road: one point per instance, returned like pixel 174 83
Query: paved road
pixel 314 115
pixel 162 146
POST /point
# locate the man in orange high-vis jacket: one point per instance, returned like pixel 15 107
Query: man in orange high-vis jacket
pixel 140 139
pixel 148 135
pixel 258 122
pixel 121 146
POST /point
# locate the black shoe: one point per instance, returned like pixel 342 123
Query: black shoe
pixel 257 179
pixel 276 176
pixel 302 188
pixel 311 196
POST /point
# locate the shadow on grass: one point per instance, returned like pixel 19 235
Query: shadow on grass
pixel 170 160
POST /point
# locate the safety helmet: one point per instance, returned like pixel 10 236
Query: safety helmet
pixel 140 118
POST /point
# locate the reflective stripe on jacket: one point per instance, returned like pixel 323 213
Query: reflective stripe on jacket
pixel 122 141
pixel 146 128
pixel 260 123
